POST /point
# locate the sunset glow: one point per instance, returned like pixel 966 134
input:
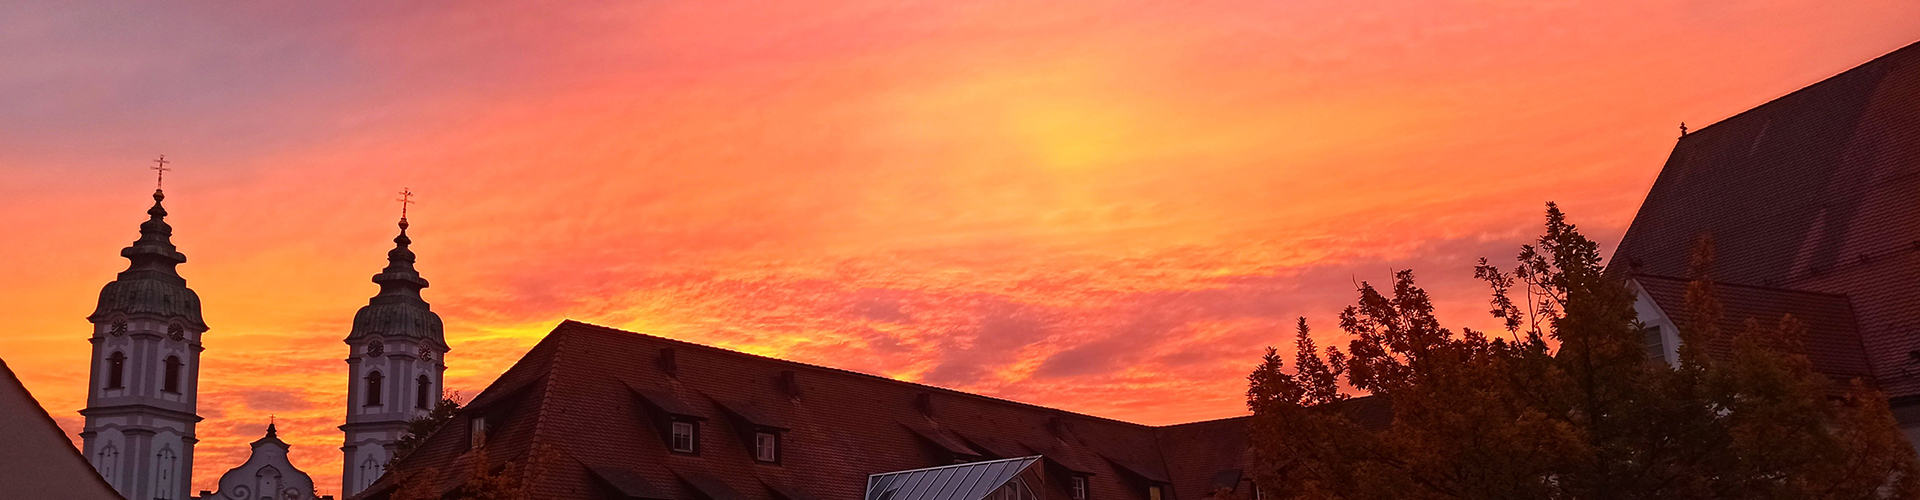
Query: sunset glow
pixel 1106 207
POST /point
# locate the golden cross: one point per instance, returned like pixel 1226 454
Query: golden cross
pixel 160 169
pixel 406 198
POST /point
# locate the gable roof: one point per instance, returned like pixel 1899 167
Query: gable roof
pixel 40 461
pixel 1832 341
pixel 587 404
pixel 1812 191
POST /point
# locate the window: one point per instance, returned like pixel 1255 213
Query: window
pixel 477 435
pixel 1257 494
pixel 172 379
pixel 1154 492
pixel 1078 487
pixel 1656 344
pixel 109 458
pixel 420 397
pixel 373 389
pixel 766 447
pixel 370 470
pixel 684 438
pixel 166 459
pixel 116 368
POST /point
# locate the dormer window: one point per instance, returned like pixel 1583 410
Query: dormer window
pixel 1156 492
pixel 766 447
pixel 685 437
pixel 477 432
pixel 1077 487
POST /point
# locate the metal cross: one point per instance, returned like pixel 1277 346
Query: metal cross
pixel 406 198
pixel 160 169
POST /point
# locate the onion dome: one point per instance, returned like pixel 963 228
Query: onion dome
pixel 398 309
pixel 151 285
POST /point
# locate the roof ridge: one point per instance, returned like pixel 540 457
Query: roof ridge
pixel 608 329
pixel 1742 285
pixel 546 405
pixel 1884 56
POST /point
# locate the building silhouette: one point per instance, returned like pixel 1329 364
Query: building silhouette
pixel 396 355
pixel 145 372
pixel 1812 202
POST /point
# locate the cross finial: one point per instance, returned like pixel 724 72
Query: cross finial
pixel 160 171
pixel 406 198
pixel 1683 129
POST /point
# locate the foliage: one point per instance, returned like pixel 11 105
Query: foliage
pixel 1566 404
pixel 418 428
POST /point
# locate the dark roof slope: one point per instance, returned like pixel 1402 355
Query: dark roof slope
pixel 1832 342
pixel 588 405
pixel 40 461
pixel 1815 191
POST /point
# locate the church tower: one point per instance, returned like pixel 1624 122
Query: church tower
pixel 395 358
pixel 146 370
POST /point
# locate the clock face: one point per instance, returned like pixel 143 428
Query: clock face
pixel 426 353
pixel 176 332
pixel 376 348
pixel 119 328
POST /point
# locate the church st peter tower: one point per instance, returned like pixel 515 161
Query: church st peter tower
pixel 145 370
pixel 394 364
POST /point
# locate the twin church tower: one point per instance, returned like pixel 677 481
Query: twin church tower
pixel 147 334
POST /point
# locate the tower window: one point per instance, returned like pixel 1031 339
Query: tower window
pixel 171 381
pixel 686 438
pixel 1078 487
pixel 420 397
pixel 116 369
pixel 373 389
pixel 766 447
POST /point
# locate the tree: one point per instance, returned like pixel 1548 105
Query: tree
pixel 1566 404
pixel 419 428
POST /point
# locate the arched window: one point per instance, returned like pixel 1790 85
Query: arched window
pixel 420 398
pixel 171 382
pixel 373 389
pixel 370 470
pixel 116 369
pixel 164 488
pixel 109 459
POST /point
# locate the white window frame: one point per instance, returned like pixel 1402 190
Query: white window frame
pixel 766 446
pixel 477 432
pixel 680 428
pixel 1078 487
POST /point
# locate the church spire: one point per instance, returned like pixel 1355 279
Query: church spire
pixel 153 255
pixel 399 309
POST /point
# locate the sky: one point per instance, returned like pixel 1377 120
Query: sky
pixel 1107 207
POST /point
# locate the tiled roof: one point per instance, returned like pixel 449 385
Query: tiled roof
pixel 1832 342
pixel 585 411
pixel 1813 191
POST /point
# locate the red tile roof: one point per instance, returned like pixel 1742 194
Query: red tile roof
pixel 587 406
pixel 1816 190
pixel 1832 342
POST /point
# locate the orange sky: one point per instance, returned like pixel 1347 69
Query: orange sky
pixel 1107 207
